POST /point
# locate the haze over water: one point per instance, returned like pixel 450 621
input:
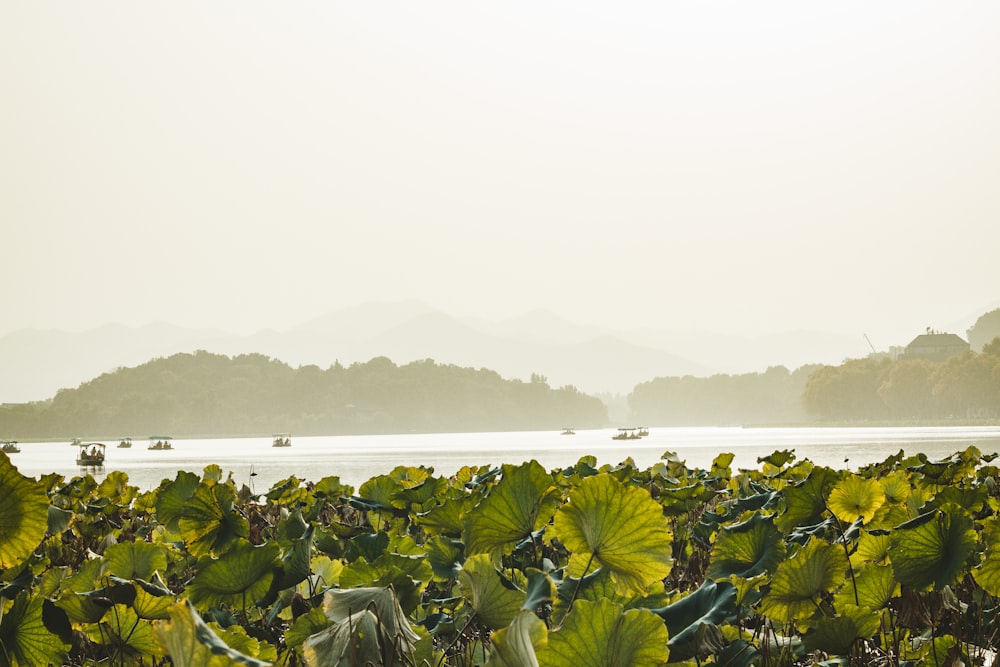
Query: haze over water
pixel 355 459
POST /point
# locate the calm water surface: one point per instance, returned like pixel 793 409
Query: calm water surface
pixel 356 459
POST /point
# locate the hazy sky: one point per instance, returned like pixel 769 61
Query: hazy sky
pixel 751 166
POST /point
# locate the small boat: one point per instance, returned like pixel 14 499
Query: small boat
pixel 91 454
pixel 159 442
pixel 125 443
pixel 75 442
pixel 627 434
pixel 643 431
pixel 10 447
pixel 568 431
pixel 282 440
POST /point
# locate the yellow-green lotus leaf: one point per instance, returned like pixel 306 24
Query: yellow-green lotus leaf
pixel 494 602
pixel 123 633
pixel 854 497
pixel 746 549
pixel 817 568
pixel 521 502
pixel 208 523
pixel 987 574
pixel 518 644
pixel 24 639
pixel 189 642
pixel 931 550
pixel 603 634
pixel 24 514
pixel 805 502
pixel 837 635
pixel 896 487
pixel 622 528
pixel 238 578
pixel 872 587
pixel 134 560
pixel 350 642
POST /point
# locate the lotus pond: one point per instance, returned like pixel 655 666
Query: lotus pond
pixel 790 563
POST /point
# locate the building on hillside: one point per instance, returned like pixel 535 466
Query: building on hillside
pixel 935 346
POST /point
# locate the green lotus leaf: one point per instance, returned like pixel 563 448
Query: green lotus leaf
pixel 778 458
pixel 208 523
pixel 24 638
pixel 123 633
pixel 817 568
pixel 296 561
pixel 380 492
pixel 134 560
pixel 872 587
pixel 854 497
pixel 347 643
pixel 115 487
pixel 325 572
pixel 987 574
pixel 805 501
pixel 711 604
pixel 150 606
pixel 236 638
pixel 603 634
pixel 746 549
pixel 931 550
pixel 520 503
pixel 173 497
pixel 90 606
pixel 871 548
pixel 24 514
pixel 494 603
pixel 445 556
pixel 238 578
pixel 889 516
pixel 189 642
pixel 598 585
pixel 306 625
pixel 618 527
pixel 517 644
pixel 58 520
pixel 340 605
pixel 448 518
pixel 837 635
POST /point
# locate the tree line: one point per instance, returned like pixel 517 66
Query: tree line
pixel 206 394
pixel 965 387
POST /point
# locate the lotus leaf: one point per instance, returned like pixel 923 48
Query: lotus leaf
pixel 173 497
pixel 837 635
pixel 134 560
pixel 517 644
pixel 347 643
pixel 711 604
pixel 520 503
pixel 931 550
pixel 189 642
pixel 125 635
pixel 24 638
pixel 987 575
pixel 90 607
pixel 236 638
pixel 448 517
pixel 805 501
pixel 854 497
pixel 797 584
pixel 341 605
pixel 445 556
pixel 58 520
pixel 306 625
pixel 872 587
pixel 23 514
pixel 150 606
pixel 603 634
pixel 896 487
pixel 238 578
pixel 494 603
pixel 621 528
pixel 116 488
pixel 208 523
pixel 746 549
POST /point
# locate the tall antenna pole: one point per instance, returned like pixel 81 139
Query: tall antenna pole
pixel 870 344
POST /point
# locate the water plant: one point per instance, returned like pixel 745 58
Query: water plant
pixel 788 564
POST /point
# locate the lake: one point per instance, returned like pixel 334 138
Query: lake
pixel 356 459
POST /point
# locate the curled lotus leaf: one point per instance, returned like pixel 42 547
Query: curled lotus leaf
pixel 517 644
pixel 712 604
pixel 495 603
pixel 805 501
pixel 189 642
pixel 746 549
pixel 618 527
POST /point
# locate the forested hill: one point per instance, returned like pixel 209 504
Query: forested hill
pixel 205 394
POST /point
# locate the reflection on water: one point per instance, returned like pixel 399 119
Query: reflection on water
pixel 355 459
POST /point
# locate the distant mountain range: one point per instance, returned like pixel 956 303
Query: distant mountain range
pixel 35 364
